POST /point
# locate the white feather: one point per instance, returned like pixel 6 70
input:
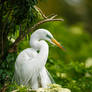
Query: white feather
pixel 30 65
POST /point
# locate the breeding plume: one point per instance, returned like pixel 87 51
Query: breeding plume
pixel 30 64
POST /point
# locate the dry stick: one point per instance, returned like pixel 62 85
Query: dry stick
pixel 53 16
pixel 41 12
pixel 31 30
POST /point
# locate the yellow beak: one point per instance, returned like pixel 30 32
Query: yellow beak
pixel 57 43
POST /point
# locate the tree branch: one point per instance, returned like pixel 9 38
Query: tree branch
pixel 20 38
pixel 44 21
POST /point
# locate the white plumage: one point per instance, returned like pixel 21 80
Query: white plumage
pixel 30 66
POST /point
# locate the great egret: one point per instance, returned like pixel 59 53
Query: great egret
pixel 30 65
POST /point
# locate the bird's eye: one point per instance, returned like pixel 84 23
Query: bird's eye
pixel 48 36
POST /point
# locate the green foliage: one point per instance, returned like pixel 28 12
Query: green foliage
pixel 20 10
pixel 15 16
pixel 51 88
pixel 7 69
pixel 15 19
pixel 67 68
pixel 71 75
pixel 14 86
pixel 72 41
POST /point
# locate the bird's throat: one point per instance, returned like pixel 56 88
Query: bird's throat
pixel 43 51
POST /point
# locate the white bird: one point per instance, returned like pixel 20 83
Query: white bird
pixel 30 65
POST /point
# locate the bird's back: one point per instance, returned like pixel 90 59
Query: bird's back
pixel 26 54
pixel 23 64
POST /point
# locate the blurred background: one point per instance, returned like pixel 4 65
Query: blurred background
pixel 73 11
pixel 71 68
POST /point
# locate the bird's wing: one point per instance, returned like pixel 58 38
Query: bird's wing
pixel 26 54
pixel 23 65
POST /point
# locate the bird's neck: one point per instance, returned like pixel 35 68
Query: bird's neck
pixel 43 48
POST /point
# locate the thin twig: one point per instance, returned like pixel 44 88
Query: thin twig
pixel 53 16
pixel 41 12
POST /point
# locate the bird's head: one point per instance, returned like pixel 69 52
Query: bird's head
pixel 44 34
